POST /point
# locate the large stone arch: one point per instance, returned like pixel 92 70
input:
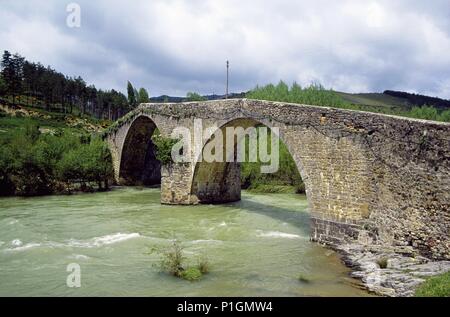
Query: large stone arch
pixel 336 172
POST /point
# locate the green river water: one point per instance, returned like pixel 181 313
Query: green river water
pixel 256 247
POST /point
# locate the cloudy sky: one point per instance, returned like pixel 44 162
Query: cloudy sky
pixel 175 46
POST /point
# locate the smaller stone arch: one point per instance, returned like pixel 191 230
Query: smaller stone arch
pixel 138 164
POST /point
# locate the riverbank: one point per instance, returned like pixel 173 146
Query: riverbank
pixel 390 271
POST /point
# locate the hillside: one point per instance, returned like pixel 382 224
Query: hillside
pixel 394 100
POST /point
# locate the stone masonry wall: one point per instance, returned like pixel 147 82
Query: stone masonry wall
pixel 382 178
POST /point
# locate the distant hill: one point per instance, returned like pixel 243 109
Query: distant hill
pixel 165 98
pixel 395 100
pixel 420 100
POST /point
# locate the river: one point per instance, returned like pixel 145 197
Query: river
pixel 256 247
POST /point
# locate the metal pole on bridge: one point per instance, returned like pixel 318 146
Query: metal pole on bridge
pixel 228 67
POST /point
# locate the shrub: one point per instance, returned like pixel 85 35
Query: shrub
pixel 172 260
pixel 164 148
pixel 193 96
pixel 32 163
pixel 315 94
pixel 286 179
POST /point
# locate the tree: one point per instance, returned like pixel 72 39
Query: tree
pixel 131 95
pixel 193 96
pixel 143 96
pixel 2 86
pixel 12 71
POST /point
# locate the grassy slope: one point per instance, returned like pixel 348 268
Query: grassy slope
pixel 49 122
pixel 376 100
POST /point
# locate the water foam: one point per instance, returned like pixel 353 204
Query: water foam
pixel 16 242
pixel 24 247
pixel 277 234
pixel 205 241
pixel 104 240
pixel 92 243
pixel 79 257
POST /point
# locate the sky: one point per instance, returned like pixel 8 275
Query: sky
pixel 175 46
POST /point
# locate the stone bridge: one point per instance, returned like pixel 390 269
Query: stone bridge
pixel 369 177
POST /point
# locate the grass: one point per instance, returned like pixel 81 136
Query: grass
pixel 191 274
pixel 436 286
pixel 272 189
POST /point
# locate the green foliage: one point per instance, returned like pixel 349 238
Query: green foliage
pixel 131 95
pixel 32 163
pixel 32 131
pixel 191 274
pixel 286 180
pixel 315 94
pixel 426 113
pixel 436 286
pixel 164 148
pixel 3 87
pixel 172 260
pixel 173 263
pixel 143 96
pixel 445 116
pixel 193 96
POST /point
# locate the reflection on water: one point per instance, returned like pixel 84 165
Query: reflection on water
pixel 257 247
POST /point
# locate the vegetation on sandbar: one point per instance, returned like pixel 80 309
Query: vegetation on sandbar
pixel 174 263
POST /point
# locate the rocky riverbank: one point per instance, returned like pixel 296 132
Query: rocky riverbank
pixel 390 271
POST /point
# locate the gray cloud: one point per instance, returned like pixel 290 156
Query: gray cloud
pixel 175 46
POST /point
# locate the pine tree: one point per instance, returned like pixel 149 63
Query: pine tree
pixel 2 86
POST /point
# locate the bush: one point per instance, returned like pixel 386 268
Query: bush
pixel 315 94
pixel 436 286
pixel 286 179
pixel 172 260
pixel 164 148
pixel 191 274
pixel 193 96
pixel 32 163
pixel 424 112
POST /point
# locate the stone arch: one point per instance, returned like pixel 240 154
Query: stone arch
pixel 219 182
pixel 138 164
